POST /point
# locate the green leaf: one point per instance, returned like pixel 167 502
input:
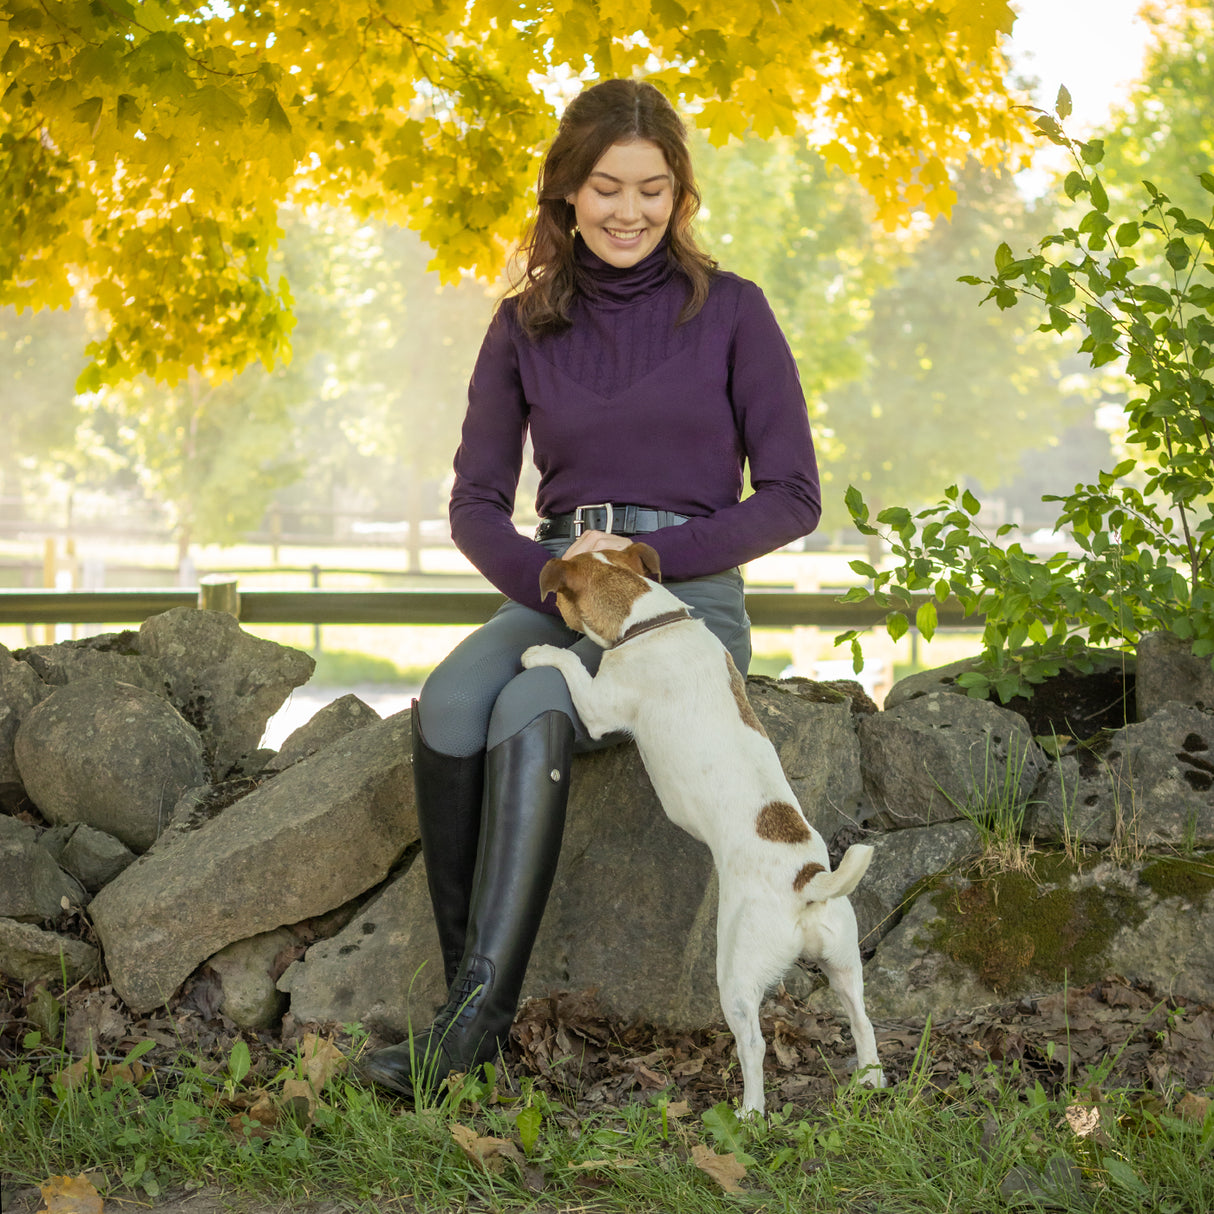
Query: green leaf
pixel 1122 1175
pixel 239 1061
pixel 1075 184
pixel 1207 181
pixel 1177 253
pixel 863 568
pixel 1062 104
pixel 897 625
pixel 853 499
pixel 1092 152
pixel 1050 128
pixel 1127 234
pixel 528 1123
pixel 970 503
pixel 894 516
pixel 722 1123
pixel 1100 199
pixel 926 619
pixel 1003 256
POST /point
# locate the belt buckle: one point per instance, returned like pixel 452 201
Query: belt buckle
pixel 579 523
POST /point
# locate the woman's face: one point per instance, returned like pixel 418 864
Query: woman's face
pixel 623 208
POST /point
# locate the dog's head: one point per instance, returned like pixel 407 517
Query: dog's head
pixel 595 591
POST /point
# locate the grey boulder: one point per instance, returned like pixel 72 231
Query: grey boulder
pixel 299 845
pixel 225 682
pixel 108 754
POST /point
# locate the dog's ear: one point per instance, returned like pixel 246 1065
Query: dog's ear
pixel 552 577
pixel 651 566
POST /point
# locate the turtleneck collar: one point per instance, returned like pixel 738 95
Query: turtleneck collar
pixel 615 286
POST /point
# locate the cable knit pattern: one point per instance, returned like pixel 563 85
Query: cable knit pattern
pixel 624 326
pixel 628 406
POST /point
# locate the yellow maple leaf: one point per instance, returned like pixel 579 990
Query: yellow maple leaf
pixel 71 1195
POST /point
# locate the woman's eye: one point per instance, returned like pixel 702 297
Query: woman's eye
pixel 606 193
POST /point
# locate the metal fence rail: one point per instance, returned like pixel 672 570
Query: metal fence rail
pixel 767 608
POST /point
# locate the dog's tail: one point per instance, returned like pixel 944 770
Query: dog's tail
pixel 818 884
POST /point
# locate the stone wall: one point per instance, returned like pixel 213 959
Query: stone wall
pixel 1011 858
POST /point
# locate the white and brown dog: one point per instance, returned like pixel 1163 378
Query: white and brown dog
pixel 667 681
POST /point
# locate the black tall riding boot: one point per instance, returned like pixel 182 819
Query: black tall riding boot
pixel 526 789
pixel 450 789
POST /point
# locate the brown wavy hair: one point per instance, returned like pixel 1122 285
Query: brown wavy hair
pixel 614 111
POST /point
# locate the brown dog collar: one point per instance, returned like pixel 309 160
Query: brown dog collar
pixel 658 621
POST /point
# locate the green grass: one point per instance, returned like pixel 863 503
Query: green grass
pixel 345 668
pixel 989 1142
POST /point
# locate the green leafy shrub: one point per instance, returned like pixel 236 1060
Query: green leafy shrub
pixel 1145 530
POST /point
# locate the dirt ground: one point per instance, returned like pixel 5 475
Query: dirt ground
pixel 209 1200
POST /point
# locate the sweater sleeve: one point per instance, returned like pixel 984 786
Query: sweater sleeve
pixel 773 426
pixel 488 463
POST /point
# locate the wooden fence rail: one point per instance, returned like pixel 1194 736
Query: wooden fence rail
pixel 767 608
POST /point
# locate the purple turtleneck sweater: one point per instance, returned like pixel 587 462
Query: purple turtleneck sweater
pixel 626 406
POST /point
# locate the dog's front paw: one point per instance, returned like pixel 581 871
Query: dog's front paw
pixel 541 655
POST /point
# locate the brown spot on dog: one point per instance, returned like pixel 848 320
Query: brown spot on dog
pixel 737 684
pixel 779 822
pixel 806 875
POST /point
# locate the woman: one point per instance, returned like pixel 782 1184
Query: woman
pixel 646 378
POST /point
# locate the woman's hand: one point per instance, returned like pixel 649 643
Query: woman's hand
pixel 596 541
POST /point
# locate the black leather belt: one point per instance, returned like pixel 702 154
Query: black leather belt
pixel 615 520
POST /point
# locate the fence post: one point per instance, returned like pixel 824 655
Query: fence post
pixel 50 567
pixel 218 592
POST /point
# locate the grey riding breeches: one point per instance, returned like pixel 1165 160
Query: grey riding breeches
pixel 480 695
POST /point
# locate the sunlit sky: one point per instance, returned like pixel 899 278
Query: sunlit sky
pixel 1094 47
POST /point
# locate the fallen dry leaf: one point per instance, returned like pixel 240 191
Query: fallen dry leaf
pixel 133 1073
pixel 489 1154
pixel 73 1076
pixel 1084 1120
pixel 299 1099
pixel 321 1060
pixel 71 1195
pixel 1193 1108
pixel 257 1107
pixel 724 1169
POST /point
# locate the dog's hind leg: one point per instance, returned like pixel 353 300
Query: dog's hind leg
pixel 845 973
pixel 741 982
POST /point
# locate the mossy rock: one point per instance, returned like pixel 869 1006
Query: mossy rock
pixel 969 941
pixel 1188 877
pixel 1019 930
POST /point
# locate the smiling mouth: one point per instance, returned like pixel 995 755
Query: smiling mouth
pixel 624 235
